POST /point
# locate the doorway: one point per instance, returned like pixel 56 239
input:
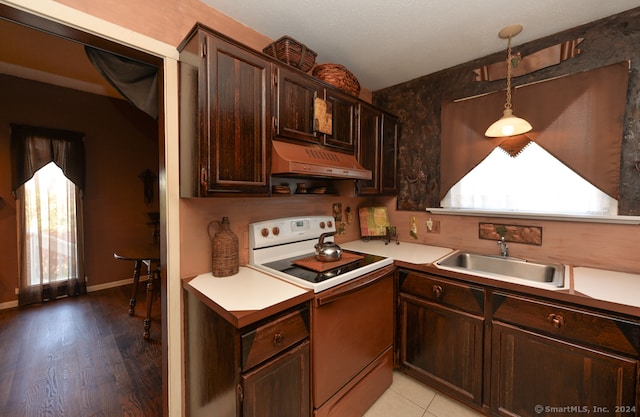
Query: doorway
pixel 50 28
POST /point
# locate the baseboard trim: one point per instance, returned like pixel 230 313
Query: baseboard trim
pixel 111 284
pixel 9 304
pixel 13 304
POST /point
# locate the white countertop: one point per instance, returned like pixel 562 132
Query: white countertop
pixel 247 290
pixel 611 286
pixel 617 287
pixel 407 252
pixel 252 290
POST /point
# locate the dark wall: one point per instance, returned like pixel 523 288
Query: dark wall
pixel 120 143
pixel 417 103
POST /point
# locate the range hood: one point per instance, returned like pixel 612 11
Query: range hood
pixel 308 161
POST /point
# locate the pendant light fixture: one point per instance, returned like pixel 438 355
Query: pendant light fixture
pixel 508 124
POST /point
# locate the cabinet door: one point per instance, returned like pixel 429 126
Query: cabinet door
pixel 343 108
pixel 442 347
pixel 369 133
pixel 534 375
pixel 389 155
pixel 234 152
pixel 295 102
pixel 280 388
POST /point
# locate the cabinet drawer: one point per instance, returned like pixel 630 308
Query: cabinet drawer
pixel 442 291
pixel 274 337
pixel 569 323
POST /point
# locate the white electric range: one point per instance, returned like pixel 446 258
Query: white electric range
pixel 275 244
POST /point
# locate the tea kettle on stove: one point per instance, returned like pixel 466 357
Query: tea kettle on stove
pixel 327 251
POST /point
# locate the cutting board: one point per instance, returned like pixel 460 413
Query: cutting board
pixel 310 262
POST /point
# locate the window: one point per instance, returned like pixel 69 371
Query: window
pixel 577 141
pixel 533 182
pixel 47 178
pixel 50 226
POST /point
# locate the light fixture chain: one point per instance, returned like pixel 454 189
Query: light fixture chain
pixel 507 105
pixel 508 124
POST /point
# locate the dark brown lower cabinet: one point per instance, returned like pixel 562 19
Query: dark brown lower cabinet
pixel 279 387
pixel 534 375
pixel 441 334
pixel 549 358
pixel 512 354
pixel 261 369
pixel 443 347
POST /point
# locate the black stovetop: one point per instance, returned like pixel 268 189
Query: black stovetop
pixel 288 267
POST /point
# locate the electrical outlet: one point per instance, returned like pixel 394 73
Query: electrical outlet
pixel 433 226
pixel 17 291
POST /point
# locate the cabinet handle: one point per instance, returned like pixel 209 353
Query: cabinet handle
pixel 240 393
pixel 556 320
pixel 204 182
pixel 438 292
pixel 278 338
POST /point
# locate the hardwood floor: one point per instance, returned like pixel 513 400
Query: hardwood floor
pixel 81 357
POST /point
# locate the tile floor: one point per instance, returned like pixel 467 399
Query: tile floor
pixel 408 398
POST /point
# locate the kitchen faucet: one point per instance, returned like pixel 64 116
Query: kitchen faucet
pixel 504 248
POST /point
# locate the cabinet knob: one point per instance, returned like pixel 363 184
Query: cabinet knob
pixel 278 338
pixel 556 320
pixel 438 292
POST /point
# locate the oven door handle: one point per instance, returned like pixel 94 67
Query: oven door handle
pixel 336 293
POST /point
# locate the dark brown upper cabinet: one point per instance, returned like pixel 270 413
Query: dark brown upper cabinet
pixel 235 100
pixel 224 108
pixel 295 97
pixel 377 150
pixel 369 139
pixel 343 113
pixel 295 118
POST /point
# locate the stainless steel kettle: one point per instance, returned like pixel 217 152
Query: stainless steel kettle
pixel 327 251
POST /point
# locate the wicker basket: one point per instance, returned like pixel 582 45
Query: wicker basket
pixel 338 76
pixel 291 52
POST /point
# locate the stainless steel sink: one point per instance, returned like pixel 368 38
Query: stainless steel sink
pixel 504 267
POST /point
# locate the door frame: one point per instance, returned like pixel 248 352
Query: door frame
pixel 59 20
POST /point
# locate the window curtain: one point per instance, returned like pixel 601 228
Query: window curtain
pixel 31 149
pixel 136 81
pixel 577 118
pixel 34 147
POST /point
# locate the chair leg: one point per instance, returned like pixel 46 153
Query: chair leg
pixel 153 276
pixel 136 280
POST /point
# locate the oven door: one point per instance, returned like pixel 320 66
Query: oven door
pixel 352 325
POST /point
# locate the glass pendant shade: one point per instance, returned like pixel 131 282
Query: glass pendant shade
pixel 508 125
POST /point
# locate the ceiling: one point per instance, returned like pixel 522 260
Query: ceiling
pixel 35 55
pixel 386 42
pixel 383 42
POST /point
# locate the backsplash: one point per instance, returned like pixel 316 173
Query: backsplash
pixel 595 245
pixel 196 213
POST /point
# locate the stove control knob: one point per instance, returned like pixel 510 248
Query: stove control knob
pixel 276 230
pixel 264 232
pixel 322 226
pixel 330 223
